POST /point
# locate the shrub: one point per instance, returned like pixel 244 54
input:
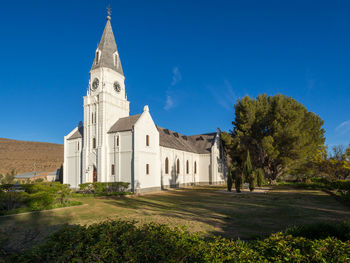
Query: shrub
pixel 121 241
pixel 41 200
pixel 99 188
pixel 260 177
pixel 12 200
pixel 252 181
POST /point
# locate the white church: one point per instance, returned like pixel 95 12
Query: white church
pixel 113 146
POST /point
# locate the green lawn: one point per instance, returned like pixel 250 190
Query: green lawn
pixel 205 209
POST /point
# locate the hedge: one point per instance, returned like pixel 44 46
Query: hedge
pixel 122 241
pixel 99 188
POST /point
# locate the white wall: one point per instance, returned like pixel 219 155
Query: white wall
pixel 144 154
pixel 173 178
pixel 72 160
pixel 120 156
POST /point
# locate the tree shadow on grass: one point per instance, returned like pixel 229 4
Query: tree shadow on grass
pixel 24 231
pixel 237 216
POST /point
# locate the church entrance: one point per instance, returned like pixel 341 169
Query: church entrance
pixel 94 177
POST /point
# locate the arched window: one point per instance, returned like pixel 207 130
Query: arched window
pixel 178 166
pixel 195 167
pixel 166 165
pixel 117 141
pixel 93 143
pixel 147 140
pixel 187 167
pixel 147 168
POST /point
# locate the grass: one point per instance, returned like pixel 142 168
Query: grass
pixel 206 209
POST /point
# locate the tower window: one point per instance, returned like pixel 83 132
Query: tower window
pixel 112 170
pixel 93 143
pixel 147 168
pixel 166 165
pixel 117 141
pixel 147 140
pixel 97 57
pixel 116 60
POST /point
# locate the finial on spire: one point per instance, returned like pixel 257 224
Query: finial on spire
pixel 109 12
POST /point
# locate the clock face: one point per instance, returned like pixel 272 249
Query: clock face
pixel 95 84
pixel 116 87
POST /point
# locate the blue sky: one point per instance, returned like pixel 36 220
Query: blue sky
pixel 188 60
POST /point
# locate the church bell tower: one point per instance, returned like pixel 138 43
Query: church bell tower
pixel 104 104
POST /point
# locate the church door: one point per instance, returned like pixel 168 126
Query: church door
pixel 95 175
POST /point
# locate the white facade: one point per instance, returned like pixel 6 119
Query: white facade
pixel 113 146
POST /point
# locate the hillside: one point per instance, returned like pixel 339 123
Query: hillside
pixel 23 156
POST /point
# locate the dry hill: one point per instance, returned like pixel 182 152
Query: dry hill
pixel 23 156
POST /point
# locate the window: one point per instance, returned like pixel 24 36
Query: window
pixel 195 167
pixel 112 170
pixel 116 60
pixel 117 140
pixel 187 167
pixel 97 57
pixel 92 118
pixel 147 140
pixel 178 166
pixel 93 143
pixel 166 165
pixel 147 168
pixel 78 146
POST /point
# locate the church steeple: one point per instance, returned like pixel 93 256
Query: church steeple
pixel 107 53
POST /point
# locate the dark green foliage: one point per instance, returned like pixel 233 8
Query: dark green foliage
pixel 247 168
pixel 120 241
pixel 321 230
pixel 11 200
pixel 229 180
pixel 259 176
pixel 252 181
pixel 280 133
pixel 238 181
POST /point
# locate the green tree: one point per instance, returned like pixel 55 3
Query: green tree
pixel 229 180
pixel 247 168
pixel 334 164
pixel 8 178
pixel 259 176
pixel 280 133
pixel 252 181
pixel 238 180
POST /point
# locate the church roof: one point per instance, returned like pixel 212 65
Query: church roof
pixel 124 124
pixel 201 143
pixel 78 133
pixel 107 53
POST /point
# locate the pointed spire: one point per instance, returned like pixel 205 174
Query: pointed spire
pixel 107 53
